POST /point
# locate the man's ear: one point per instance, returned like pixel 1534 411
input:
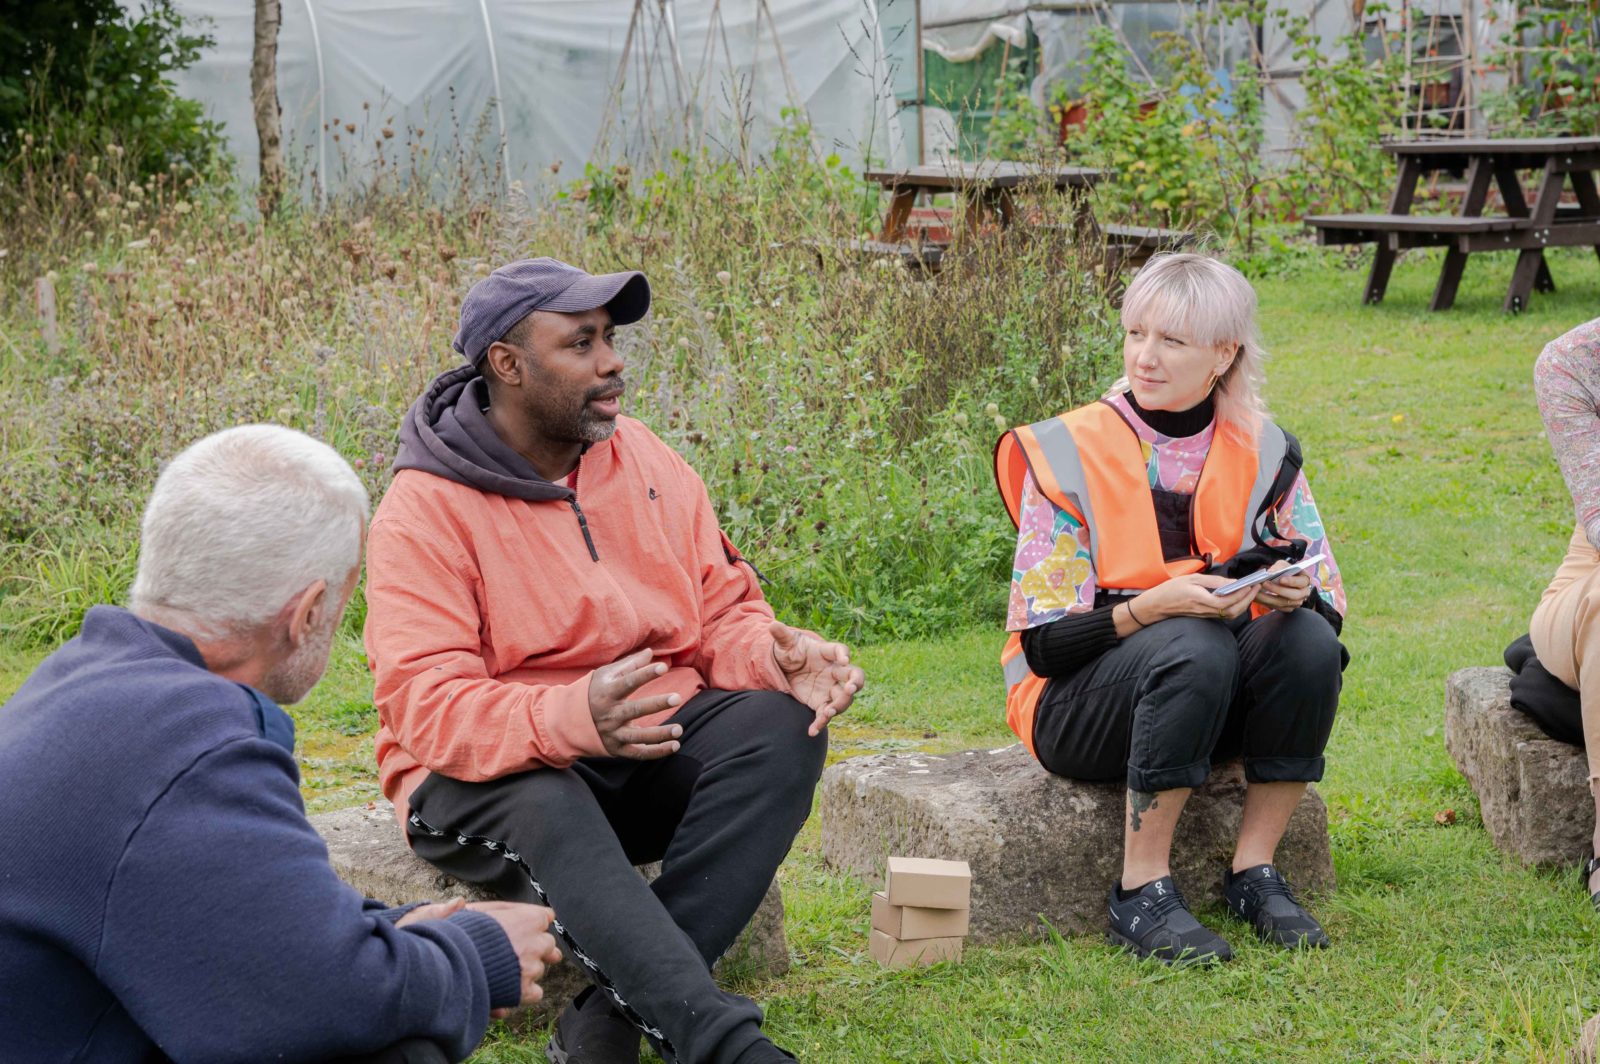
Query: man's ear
pixel 305 612
pixel 503 363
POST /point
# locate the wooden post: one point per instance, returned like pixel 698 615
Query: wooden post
pixel 44 301
pixel 264 99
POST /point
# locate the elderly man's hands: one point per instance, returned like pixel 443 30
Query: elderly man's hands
pixel 526 926
pixel 819 674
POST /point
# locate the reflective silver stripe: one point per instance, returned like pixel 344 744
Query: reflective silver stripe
pixel 1270 449
pixel 1060 453
pixel 1017 670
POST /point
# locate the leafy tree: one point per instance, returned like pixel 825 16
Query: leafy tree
pixel 80 75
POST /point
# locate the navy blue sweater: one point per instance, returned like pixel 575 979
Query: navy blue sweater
pixel 162 893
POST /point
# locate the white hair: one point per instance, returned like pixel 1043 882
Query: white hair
pixel 242 521
pixel 1209 304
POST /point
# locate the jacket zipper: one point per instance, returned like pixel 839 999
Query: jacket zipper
pixel 583 522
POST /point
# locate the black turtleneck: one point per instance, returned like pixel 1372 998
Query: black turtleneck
pixel 1062 647
pixel 1176 423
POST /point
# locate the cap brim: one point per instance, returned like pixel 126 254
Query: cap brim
pixel 626 295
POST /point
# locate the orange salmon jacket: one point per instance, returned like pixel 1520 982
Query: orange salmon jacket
pixel 487 614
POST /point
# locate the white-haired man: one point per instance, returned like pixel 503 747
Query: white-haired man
pixel 163 893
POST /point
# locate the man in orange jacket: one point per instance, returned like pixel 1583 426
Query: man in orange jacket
pixel 576 672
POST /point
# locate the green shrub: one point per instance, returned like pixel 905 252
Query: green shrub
pixel 1186 147
pixel 81 75
pixel 1186 151
pixel 1352 103
pixel 1553 77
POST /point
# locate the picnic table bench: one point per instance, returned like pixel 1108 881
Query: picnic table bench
pixel 1524 228
pixel 988 189
pixel 1134 245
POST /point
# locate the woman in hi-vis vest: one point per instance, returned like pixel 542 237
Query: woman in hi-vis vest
pixel 1122 663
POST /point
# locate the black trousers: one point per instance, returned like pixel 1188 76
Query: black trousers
pixel 1170 700
pixel 720 814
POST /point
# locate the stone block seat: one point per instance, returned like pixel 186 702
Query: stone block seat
pixel 367 852
pixel 1532 789
pixel 1042 848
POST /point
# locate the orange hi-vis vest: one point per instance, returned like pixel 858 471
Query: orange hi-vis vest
pixel 1090 463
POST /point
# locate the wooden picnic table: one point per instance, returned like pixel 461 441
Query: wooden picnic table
pixel 1555 162
pixel 986 187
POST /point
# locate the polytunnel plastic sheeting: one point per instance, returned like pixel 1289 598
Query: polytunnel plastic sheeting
pixel 826 60
pixel 429 66
pixel 962 30
pixel 1064 39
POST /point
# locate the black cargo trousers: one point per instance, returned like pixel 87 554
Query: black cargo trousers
pixel 720 815
pixel 1172 699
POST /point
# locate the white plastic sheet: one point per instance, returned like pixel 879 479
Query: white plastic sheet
pixel 564 79
pixel 962 30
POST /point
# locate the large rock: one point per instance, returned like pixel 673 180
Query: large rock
pixel 368 853
pixel 1588 1041
pixel 1041 847
pixel 1533 790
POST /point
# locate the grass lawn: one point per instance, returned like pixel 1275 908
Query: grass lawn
pixel 1429 463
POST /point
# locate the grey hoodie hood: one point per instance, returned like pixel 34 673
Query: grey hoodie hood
pixel 446 433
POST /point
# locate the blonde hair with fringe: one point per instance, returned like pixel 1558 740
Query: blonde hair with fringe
pixel 1209 304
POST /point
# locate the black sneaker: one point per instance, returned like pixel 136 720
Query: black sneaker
pixel 1589 868
pixel 1262 897
pixel 1156 922
pixel 590 1031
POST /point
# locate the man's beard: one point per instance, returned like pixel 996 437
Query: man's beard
pixel 294 678
pixel 581 425
pixel 593 429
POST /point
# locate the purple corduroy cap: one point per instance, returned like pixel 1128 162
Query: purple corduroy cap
pixel 516 289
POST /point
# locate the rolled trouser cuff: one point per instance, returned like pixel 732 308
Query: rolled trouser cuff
pixel 1283 769
pixel 1152 780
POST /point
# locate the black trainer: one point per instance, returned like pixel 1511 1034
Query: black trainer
pixel 590 1031
pixel 1263 898
pixel 1589 868
pixel 1156 922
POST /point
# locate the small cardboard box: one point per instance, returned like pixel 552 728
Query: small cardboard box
pixel 929 884
pixel 913 921
pixel 893 953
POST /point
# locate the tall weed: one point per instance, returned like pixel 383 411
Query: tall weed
pixel 842 413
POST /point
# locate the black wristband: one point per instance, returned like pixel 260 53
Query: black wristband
pixel 1133 616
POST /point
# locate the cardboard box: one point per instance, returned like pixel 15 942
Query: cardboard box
pixel 893 953
pixel 929 884
pixel 914 921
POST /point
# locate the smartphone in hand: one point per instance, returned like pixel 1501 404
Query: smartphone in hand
pixel 1261 576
